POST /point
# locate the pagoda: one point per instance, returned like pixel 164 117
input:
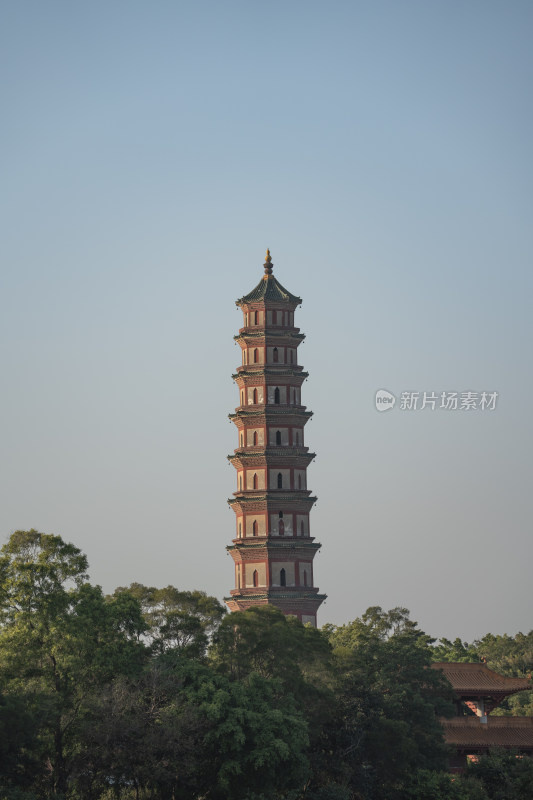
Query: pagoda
pixel 273 549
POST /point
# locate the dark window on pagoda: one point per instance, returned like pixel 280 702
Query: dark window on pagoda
pixel 280 515
pixel 240 530
pixel 282 577
pixel 240 481
pixel 276 395
pixel 256 578
pixel 301 528
pixel 255 397
pixel 255 480
pixel 275 355
pixel 256 355
pixel 255 437
pixel 254 528
pixel 278 437
pixel 242 439
pixel 280 480
pixel 299 481
pixel 281 527
pixel 305 578
pixel 255 317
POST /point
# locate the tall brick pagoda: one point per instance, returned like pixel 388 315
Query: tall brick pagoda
pixel 273 550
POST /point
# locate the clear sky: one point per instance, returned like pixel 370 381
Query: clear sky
pixel 382 150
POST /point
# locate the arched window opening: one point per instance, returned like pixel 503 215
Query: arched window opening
pixel 280 480
pixel 276 395
pixel 301 529
pixel 240 481
pixel 255 437
pixel 275 355
pixel 240 530
pixel 255 480
pixel 255 397
pixel 282 577
pixel 256 578
pixel 305 578
pixel 255 317
pixel 254 528
pixel 278 437
pixel 256 355
pixel 281 527
pixel 242 439
pixel 299 481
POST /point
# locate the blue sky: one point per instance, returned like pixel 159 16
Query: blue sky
pixel 150 153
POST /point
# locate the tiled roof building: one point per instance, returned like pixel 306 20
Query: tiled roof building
pixel 478 690
pixel 273 549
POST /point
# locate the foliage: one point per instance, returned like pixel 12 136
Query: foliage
pixel 59 640
pixel 177 620
pixel 504 776
pixel 455 652
pixel 389 702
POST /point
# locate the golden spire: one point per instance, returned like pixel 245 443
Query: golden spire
pixel 268 264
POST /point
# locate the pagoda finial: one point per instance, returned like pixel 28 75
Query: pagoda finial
pixel 268 263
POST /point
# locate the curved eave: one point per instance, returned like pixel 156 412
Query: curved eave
pixel 271 461
pixel 295 497
pixel 285 371
pixel 273 543
pixel 267 333
pixel 268 411
pixel 284 453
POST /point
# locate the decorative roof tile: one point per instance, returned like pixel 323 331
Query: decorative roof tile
pixel 269 289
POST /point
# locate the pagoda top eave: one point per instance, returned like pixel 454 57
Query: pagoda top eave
pixel 269 290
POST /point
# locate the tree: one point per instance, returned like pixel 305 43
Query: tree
pixel 295 661
pixel 390 700
pixel 455 652
pixel 178 620
pixel 59 639
pixel 504 776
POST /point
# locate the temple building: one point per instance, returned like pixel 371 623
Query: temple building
pixel 273 549
pixel 472 732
